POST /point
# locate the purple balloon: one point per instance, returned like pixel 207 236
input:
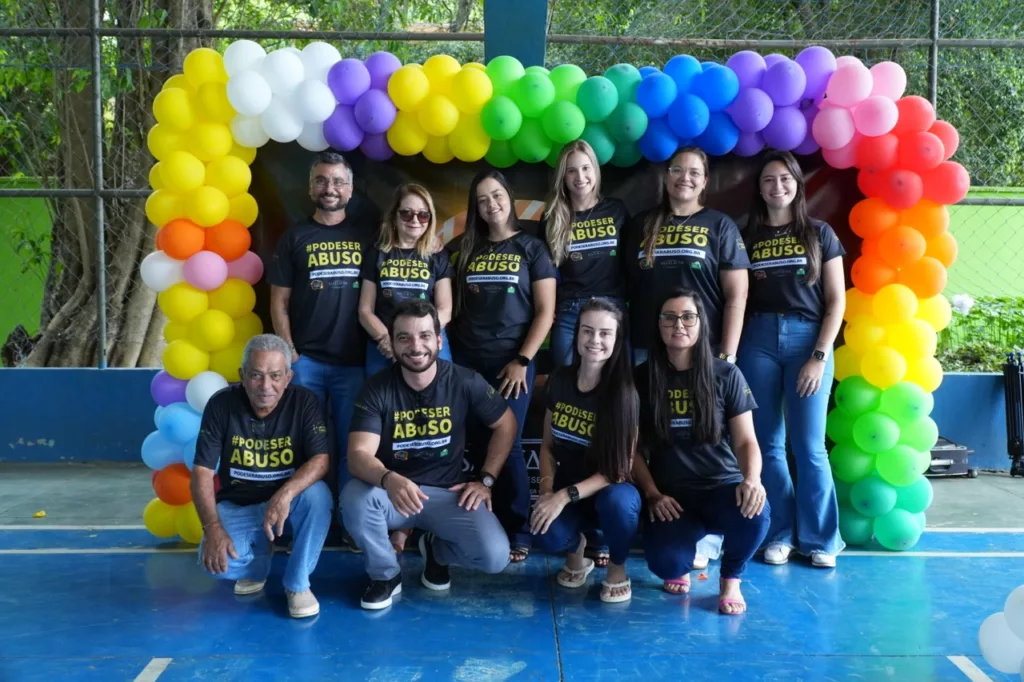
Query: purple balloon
pixel 809 145
pixel 341 130
pixel 773 59
pixel 165 389
pixel 376 147
pixel 348 80
pixel 752 110
pixel 785 83
pixel 749 145
pixel 380 66
pixel 787 129
pixel 818 64
pixel 375 112
pixel 749 67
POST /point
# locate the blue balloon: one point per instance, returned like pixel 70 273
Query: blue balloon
pixel 179 423
pixel 707 65
pixel 682 69
pixel 720 137
pixel 655 94
pixel 158 452
pixel 718 87
pixel 688 116
pixel 156 415
pixel 646 71
pixel 190 454
pixel 659 143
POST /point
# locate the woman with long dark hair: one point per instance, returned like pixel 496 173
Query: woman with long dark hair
pixel 504 306
pixel 795 309
pixel 590 435
pixel 704 470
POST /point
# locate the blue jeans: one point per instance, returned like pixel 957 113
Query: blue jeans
pixel 566 315
pixel 309 519
pixel 375 362
pixel 615 510
pixel 772 351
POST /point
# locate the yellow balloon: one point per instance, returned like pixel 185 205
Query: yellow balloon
pixel 162 140
pixel 857 303
pixel 172 107
pixel 912 339
pixel 925 372
pixel 847 363
pixel 863 333
pixel 178 80
pixel 230 175
pixel 894 303
pixel 163 206
pixel 437 150
pixel 189 527
pixel 228 361
pixel 883 367
pixel 156 181
pixel 160 518
pixel 408 87
pixel 244 209
pixel 247 327
pixel 211 330
pixel 440 70
pixel 213 102
pixel 471 89
pixel 209 141
pixel 438 116
pixel 182 360
pixel 469 142
pixel 405 135
pixel 475 65
pixel 182 171
pixel 936 311
pixel 235 297
pixel 247 154
pixel 182 302
pixel 175 330
pixel 204 65
pixel 207 206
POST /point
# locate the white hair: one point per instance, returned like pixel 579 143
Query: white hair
pixel 266 343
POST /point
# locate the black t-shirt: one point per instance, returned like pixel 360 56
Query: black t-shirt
pixel 257 456
pixel 778 272
pixel 593 265
pixel 499 295
pixel 682 465
pixel 402 274
pixel 689 253
pixel 423 434
pixel 572 424
pixel 321 265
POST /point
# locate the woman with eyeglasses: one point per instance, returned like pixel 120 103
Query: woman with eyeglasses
pixel 702 472
pixel 795 310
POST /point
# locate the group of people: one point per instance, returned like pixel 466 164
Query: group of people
pixel 684 348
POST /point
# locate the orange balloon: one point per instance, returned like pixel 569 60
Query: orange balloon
pixel 229 240
pixel 927 217
pixel 172 484
pixel 160 240
pixel 871 274
pixel 926 277
pixel 871 217
pixel 182 239
pixel 943 248
pixel 869 247
pixel 901 246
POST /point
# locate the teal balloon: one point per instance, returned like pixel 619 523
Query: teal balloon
pixel 628 123
pixel 843 492
pixel 540 70
pixel 531 144
pixel 533 93
pixel 597 98
pixel 599 139
pixel 563 122
pixel 916 497
pixel 921 521
pixel 921 434
pixel 850 463
pixel 839 426
pixel 855 528
pixel 898 466
pixel 906 402
pixel 627 155
pixel 500 154
pixel 872 496
pixel 626 79
pixel 898 530
pixel 501 118
pixel 856 396
pixel 874 432
pixel 504 71
pixel 567 79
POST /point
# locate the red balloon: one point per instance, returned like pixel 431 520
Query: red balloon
pixel 901 189
pixel 916 115
pixel 153 480
pixel 920 152
pixel 947 184
pixel 949 136
pixel 877 153
pixel 870 183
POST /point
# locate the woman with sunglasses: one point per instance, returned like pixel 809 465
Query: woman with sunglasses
pixel 704 470
pixel 797 300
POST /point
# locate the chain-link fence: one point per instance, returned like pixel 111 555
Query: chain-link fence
pixel 968 56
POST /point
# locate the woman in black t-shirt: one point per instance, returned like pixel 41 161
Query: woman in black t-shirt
pixel 795 309
pixel 403 265
pixel 704 471
pixel 504 306
pixel 590 433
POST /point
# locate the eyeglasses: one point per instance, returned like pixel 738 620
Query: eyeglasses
pixel 689 319
pixel 407 215
pixel 320 182
pixel 690 172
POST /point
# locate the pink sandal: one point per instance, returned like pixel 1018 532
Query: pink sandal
pixel 728 601
pixel 683 582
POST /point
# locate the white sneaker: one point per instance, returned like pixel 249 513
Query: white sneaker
pixel 246 586
pixel 822 560
pixel 777 554
pixel 700 562
pixel 302 604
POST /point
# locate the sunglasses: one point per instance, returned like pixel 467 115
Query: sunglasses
pixel 407 214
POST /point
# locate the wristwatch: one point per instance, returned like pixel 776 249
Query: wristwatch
pixel 731 359
pixel 574 494
pixel 819 355
pixel 523 360
pixel 487 480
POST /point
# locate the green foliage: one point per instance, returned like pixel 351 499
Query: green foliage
pixel 980 340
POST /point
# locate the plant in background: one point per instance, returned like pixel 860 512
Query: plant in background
pixel 982 332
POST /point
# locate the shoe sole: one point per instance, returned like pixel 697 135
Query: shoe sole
pixel 776 562
pixel 423 576
pixel 304 614
pixel 241 592
pixel 382 604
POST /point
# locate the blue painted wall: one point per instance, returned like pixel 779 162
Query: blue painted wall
pixel 970 409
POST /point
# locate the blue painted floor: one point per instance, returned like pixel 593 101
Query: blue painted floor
pixel 102 604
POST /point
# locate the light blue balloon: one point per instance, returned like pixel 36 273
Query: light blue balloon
pixel 190 454
pixel 646 71
pixel 156 415
pixel 179 423
pixel 158 452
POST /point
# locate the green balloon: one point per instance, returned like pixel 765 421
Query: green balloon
pixel 563 122
pixel 628 122
pixel 626 78
pixel 627 155
pixel 556 153
pixel 920 520
pixel 597 98
pixel 851 464
pixel 916 497
pixel 898 466
pixel 924 461
pixel 874 432
pixel 898 530
pixel 872 496
pixel 855 528
pixel 567 79
pixel 856 396
pixel 921 434
pixel 504 71
pixel 839 426
pixel 906 402
pixel 500 154
pixel 538 70
pixel 596 135
pixel 501 118
pixel 531 144
pixel 533 94
pixel 843 492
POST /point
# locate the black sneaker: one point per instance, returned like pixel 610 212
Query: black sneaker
pixel 379 593
pixel 435 576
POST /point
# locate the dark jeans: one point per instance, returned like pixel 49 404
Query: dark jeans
pixel 615 510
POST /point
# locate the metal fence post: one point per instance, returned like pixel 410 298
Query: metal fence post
pixel 933 58
pixel 97 185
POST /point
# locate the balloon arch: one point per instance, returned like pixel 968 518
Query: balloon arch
pixel 213 117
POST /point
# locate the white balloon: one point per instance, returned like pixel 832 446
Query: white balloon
pixel 280 123
pixel 160 272
pixel 283 71
pixel 312 137
pixel 313 101
pixel 249 93
pixel 1013 610
pixel 201 388
pixel 248 131
pixel 294 50
pixel 1002 649
pixel 243 55
pixel 318 58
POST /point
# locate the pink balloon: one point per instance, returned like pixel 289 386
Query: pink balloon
pixel 833 128
pixel 850 85
pixel 848 59
pixel 890 80
pixel 205 271
pixel 845 156
pixel 248 268
pixel 877 115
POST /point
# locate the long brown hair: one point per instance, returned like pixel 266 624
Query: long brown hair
pixel 389 227
pixel 559 212
pixel 657 219
pixel 477 230
pixel 803 228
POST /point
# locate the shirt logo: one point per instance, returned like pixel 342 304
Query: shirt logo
pixel 576 256
pixel 511 290
pixel 473 288
pixel 316 285
pixel 387 293
pixel 695 265
pixel 402 455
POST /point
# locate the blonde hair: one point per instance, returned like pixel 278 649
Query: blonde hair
pixel 659 217
pixel 559 211
pixel 389 237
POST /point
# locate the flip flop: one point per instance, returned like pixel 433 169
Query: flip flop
pixel 577 577
pixel 518 555
pixel 606 593
pixel 682 582
pixel 722 602
pixel 598 554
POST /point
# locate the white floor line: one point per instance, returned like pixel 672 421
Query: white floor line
pixel 153 670
pixel 26 526
pixel 103 550
pixel 959 555
pixel 973 672
pixel 974 530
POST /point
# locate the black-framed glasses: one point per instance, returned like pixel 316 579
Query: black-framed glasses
pixel 407 214
pixel 689 319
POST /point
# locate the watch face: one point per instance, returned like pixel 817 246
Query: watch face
pixel 488 481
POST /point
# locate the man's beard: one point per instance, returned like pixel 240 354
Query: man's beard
pixel 418 370
pixel 323 206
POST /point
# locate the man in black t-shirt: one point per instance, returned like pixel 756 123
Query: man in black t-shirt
pixel 267 442
pixel 406 457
